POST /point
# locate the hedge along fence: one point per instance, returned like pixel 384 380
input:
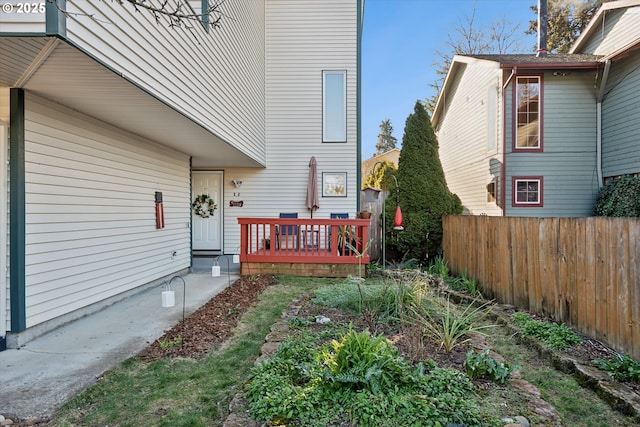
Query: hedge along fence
pixel 584 272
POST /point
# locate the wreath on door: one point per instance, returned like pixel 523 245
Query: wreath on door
pixel 203 206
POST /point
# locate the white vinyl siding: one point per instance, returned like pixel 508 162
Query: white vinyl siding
pixel 90 214
pixel 22 16
pixel 469 159
pixel 621 119
pixel 568 163
pixel 303 38
pixel 215 78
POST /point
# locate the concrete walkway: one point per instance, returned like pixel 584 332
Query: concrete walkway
pixel 40 376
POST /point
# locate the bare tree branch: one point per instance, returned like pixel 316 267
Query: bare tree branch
pixel 177 12
pixel 501 36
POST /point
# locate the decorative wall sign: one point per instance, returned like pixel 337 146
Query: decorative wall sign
pixel 236 203
pixel 159 210
pixel 334 184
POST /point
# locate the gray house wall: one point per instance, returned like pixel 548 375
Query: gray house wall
pixel 621 119
pixel 614 29
pixel 568 160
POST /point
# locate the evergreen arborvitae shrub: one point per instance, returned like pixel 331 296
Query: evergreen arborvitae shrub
pixel 423 193
pixel 619 198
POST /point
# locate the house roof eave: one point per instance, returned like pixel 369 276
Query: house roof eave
pixel 552 65
pixel 623 51
pixel 456 64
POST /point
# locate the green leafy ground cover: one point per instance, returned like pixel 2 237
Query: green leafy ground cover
pixel 371 381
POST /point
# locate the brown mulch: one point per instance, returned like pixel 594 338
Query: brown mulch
pixel 209 326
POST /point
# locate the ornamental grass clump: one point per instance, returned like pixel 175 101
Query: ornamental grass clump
pixel 449 327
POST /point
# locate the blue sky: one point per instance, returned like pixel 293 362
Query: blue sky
pixel 400 38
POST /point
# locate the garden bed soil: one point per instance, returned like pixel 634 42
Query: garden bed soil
pixel 209 326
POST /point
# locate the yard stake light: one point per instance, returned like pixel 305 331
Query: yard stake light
pixel 184 299
pixel 215 268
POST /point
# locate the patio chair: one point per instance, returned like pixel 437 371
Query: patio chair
pixel 335 216
pixel 288 232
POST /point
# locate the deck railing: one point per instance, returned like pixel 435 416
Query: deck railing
pixel 304 240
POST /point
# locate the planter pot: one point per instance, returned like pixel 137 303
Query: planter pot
pixel 364 215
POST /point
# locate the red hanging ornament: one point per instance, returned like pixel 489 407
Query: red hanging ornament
pixel 397 221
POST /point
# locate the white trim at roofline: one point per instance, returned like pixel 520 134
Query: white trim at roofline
pixel 457 59
pixel 613 56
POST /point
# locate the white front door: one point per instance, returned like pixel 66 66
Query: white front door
pixel 207 232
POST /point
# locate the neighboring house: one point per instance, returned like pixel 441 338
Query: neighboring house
pixel 522 135
pixel 367 166
pixel 104 108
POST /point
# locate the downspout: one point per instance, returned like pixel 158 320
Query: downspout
pixel 17 211
pixel 503 168
pixel 599 97
pixel 4 325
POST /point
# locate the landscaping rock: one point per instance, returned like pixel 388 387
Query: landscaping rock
pixel 523 421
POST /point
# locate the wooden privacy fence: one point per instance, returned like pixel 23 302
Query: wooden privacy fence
pixel 584 272
pixel 375 230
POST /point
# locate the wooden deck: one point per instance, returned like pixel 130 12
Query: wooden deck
pixel 302 246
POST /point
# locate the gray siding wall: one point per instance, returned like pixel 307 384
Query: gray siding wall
pixel 618 28
pixel 215 78
pixel 90 218
pixel 469 160
pixel 621 119
pixel 303 38
pixel 568 162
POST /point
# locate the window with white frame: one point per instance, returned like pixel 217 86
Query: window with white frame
pixel 528 114
pixel 334 106
pixel 527 191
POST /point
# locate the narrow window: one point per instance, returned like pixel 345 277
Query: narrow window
pixel 334 106
pixel 492 118
pixel 527 191
pixel 491 192
pixel 527 114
